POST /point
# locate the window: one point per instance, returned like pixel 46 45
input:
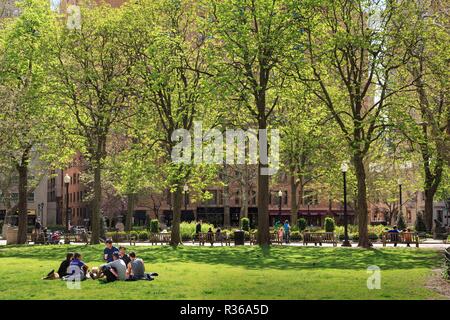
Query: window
pixel 30 197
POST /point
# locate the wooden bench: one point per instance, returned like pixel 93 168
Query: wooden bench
pixel 319 238
pixel 273 238
pixel 163 238
pixel 204 237
pixel 400 237
pixel 132 239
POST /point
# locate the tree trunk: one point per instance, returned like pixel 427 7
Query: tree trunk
pixel 130 211
pixel 22 204
pixel 226 206
pixel 263 204
pixel 294 206
pixel 428 214
pixel 95 219
pixel 244 192
pixel 176 217
pixel 362 211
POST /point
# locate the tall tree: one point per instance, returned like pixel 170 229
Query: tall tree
pixel 347 54
pixel 252 38
pixel 94 81
pixel 423 115
pixel 170 51
pixel 27 122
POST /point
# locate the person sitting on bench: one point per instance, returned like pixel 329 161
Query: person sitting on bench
pixel 407 236
pixel 115 270
pixel 394 234
pixel 136 269
pixel 62 271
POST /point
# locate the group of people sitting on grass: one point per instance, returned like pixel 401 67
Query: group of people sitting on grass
pixel 118 266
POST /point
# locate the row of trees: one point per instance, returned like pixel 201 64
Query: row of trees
pixel 363 81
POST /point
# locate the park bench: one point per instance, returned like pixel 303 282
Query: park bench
pixel 163 238
pixel 401 237
pixel 132 238
pixel 273 238
pixel 319 238
pixel 203 237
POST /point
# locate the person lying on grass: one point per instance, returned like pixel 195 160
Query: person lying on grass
pixel 136 269
pixel 62 271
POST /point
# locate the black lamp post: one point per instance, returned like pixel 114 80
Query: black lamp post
pixel 280 198
pixel 67 179
pixel 344 169
pixel 185 190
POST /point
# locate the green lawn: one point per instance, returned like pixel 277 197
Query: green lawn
pixel 228 273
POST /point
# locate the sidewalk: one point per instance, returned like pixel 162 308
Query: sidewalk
pixel 427 244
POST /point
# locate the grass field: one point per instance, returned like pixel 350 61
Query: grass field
pixel 228 273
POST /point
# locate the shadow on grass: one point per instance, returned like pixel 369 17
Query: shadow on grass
pixel 283 258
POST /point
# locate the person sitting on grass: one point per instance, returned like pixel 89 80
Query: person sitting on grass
pixel 109 250
pixel 115 270
pixel 123 255
pixel 136 269
pixel 62 271
pixel 77 268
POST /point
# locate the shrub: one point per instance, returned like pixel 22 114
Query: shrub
pixel 373 236
pixel 245 224
pixel 55 227
pixel 143 235
pixel 134 234
pixel 401 224
pixel 301 224
pixel 188 228
pixel 116 236
pixel 420 223
pixel 154 226
pixel 296 236
pixel 329 224
pixel 354 236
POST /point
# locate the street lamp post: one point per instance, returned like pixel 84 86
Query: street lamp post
pixel 344 169
pixel 185 190
pixel 67 179
pixel 280 198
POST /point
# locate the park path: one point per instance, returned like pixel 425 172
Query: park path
pixel 428 244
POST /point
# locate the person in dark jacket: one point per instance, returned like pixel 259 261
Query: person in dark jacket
pixel 62 270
